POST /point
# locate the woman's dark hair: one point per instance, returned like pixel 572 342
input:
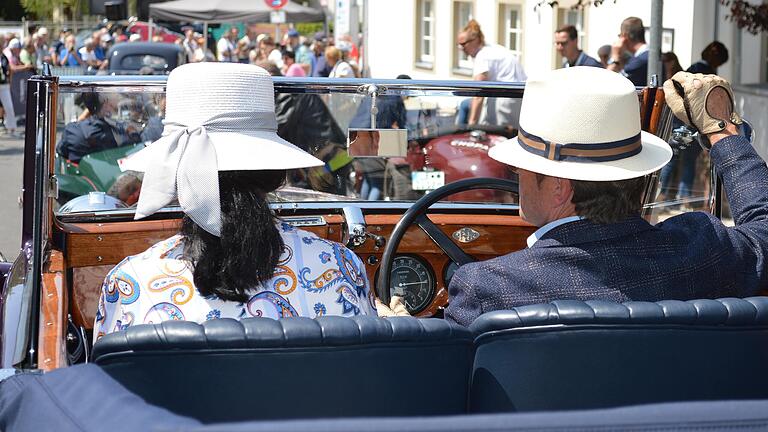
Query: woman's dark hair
pixel 246 254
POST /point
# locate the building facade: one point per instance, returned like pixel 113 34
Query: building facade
pixel 418 37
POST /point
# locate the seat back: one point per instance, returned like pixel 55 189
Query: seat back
pixel 579 355
pixel 259 368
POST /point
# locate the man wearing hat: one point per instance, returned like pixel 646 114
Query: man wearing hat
pixel 581 159
pixel 220 157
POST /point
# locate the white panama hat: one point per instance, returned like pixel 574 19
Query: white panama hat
pixel 582 123
pixel 219 117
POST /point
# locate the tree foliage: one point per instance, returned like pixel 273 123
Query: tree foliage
pixel 43 9
pixel 753 18
pixel 580 4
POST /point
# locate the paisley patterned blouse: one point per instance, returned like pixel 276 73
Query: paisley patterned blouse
pixel 314 277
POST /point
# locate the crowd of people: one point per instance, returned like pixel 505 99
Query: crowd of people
pixel 294 56
pixel 628 56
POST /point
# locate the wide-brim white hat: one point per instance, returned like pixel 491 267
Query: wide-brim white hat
pixel 582 123
pixel 198 92
pixel 219 117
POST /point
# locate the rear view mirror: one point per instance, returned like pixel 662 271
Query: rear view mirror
pixel 377 142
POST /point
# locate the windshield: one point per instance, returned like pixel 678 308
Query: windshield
pixel 98 127
pixel 417 140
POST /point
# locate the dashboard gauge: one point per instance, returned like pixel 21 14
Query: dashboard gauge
pixel 412 279
pixel 450 269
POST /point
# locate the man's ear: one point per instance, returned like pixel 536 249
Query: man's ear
pixel 562 191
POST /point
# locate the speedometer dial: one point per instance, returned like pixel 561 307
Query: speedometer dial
pixel 412 280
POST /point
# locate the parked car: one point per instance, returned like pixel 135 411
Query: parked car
pixel 566 355
pixel 142 28
pixel 148 58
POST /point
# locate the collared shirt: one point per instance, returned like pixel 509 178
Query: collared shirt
pixel 582 60
pixel 636 68
pixel 539 233
pixel 314 277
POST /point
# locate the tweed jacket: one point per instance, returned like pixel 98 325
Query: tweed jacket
pixel 692 255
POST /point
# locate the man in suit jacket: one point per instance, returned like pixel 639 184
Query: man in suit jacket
pixel 581 159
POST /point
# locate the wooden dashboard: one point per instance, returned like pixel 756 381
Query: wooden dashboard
pixel 92 249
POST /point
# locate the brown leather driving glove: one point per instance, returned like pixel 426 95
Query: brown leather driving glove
pixel 704 102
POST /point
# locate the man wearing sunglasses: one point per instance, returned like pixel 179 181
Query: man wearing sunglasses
pixel 491 63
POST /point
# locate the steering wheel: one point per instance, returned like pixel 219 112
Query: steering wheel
pixel 417 214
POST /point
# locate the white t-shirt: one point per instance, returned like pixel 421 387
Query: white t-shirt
pixel 225 50
pixel 342 69
pixel 500 63
pixel 276 57
pixel 86 56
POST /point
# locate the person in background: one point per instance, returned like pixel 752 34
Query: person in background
pixel 189 44
pixel 9 115
pixel 58 45
pixel 491 63
pixel 68 56
pixel 632 40
pixel 105 43
pixel 203 54
pixel 292 40
pixel 88 54
pixel 290 67
pixel 339 67
pixel 671 64
pixel 567 45
pixel 28 53
pixel 304 56
pixel 42 48
pixel 712 57
pixel 604 53
pixel 320 66
pixel 226 49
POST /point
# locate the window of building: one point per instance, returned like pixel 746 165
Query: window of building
pixel 511 27
pixel 462 13
pixel 425 43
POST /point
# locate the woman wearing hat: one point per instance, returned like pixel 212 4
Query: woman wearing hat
pixel 220 156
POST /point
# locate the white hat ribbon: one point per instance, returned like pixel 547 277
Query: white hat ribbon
pixel 184 166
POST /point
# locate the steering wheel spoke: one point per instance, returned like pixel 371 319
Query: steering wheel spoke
pixel 417 214
pixel 454 252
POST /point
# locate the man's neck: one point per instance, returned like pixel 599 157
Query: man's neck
pixel 574 58
pixel 634 46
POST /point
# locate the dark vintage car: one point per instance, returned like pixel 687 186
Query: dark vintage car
pixel 148 58
pixel 421 372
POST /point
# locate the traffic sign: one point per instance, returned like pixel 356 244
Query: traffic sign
pixel 276 4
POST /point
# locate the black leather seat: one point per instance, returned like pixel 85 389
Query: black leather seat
pixel 579 355
pixel 259 368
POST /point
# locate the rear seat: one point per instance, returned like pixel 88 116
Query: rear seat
pixel 596 354
pixel 259 368
pixel 563 355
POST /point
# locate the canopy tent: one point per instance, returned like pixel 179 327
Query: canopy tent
pixel 222 11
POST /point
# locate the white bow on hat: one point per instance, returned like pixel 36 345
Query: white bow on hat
pixel 219 117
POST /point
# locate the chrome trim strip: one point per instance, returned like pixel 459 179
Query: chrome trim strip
pixel 324 206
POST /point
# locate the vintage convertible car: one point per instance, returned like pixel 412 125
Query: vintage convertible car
pixel 565 355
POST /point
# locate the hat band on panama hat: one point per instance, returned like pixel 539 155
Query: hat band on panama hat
pixel 182 167
pixel 599 152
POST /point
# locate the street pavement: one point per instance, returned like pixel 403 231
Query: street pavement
pixel 11 167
